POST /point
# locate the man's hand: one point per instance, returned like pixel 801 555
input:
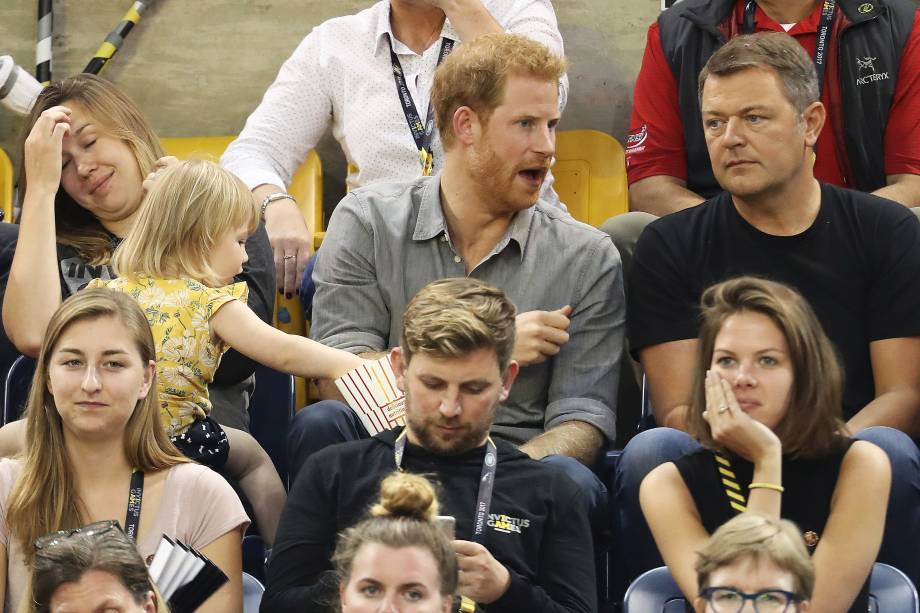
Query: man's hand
pixel 482 578
pixel 290 241
pixel 540 334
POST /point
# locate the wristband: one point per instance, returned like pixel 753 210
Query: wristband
pixel 767 486
pixel 271 198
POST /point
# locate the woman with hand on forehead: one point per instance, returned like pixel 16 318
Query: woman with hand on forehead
pixel 86 153
pixel 766 408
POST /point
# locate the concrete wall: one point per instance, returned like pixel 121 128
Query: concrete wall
pixel 198 67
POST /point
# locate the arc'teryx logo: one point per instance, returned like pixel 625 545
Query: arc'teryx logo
pixel 867 65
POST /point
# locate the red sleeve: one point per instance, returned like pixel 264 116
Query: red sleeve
pixel 655 145
pixel 902 135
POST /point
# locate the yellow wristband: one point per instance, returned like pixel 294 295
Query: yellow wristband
pixel 467 605
pixel 767 486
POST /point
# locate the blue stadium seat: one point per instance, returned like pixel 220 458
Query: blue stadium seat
pixel 270 412
pixel 16 388
pixel 252 593
pixel 890 591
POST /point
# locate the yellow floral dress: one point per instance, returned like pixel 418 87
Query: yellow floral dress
pixel 178 311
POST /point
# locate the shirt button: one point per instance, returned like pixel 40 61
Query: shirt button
pixel 458 259
pixel 443 238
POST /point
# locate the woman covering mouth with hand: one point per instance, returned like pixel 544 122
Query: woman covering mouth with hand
pixel 766 408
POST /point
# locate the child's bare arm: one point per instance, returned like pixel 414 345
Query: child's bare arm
pixel 242 329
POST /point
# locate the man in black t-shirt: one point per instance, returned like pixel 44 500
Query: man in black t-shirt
pixel 855 257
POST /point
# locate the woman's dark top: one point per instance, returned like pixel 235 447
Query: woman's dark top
pixel 809 485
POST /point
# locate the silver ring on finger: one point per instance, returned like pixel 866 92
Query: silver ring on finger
pixel 723 409
pixel 289 257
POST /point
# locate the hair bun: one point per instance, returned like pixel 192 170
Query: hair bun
pixel 406 495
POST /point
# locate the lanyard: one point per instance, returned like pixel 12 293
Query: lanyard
pixel 421 133
pixel 486 480
pixel 825 29
pixel 135 496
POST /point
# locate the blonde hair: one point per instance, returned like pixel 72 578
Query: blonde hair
pixel 69 559
pixel 190 207
pixel 475 74
pixel 44 498
pixel 403 517
pixel 812 423
pixel 452 317
pixel 756 537
pixel 116 115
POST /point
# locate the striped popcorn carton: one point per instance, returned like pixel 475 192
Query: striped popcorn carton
pixel 372 393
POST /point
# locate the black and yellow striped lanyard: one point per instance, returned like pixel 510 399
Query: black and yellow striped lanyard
pixel 736 499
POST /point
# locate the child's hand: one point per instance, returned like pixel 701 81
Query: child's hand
pixel 43 149
pixel 160 164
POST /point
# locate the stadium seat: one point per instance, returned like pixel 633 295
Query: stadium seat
pixel 252 593
pixel 306 186
pixel 16 388
pixel 890 591
pixel 6 187
pixel 590 172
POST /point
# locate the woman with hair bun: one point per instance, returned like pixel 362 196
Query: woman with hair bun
pixel 398 559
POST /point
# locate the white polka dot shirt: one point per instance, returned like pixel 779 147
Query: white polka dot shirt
pixel 341 75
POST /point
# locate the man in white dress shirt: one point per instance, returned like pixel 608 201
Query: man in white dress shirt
pixel 344 75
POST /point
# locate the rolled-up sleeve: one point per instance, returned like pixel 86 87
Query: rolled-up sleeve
pixel 349 311
pixel 585 373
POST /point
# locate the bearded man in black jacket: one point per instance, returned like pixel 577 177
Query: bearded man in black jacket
pixel 523 536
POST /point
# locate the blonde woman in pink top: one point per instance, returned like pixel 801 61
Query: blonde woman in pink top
pixel 98 451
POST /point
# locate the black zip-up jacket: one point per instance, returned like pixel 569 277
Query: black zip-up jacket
pixel 537 527
pixel 692 30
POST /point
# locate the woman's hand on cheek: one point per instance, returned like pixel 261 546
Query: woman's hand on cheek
pixel 732 428
pixel 43 149
pixel 160 164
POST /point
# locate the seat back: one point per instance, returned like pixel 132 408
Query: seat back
pixel 271 411
pixel 590 172
pixel 252 593
pixel 16 389
pixel 6 187
pixel 306 186
pixel 654 591
pixel 891 591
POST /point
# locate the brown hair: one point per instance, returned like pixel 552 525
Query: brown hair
pixel 475 74
pixel 774 51
pixel 754 536
pixel 115 115
pixel 404 517
pixel 191 206
pixel 812 421
pixel 67 560
pixel 452 317
pixel 43 498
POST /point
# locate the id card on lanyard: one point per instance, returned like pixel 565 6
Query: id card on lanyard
pixel 483 497
pixel 422 133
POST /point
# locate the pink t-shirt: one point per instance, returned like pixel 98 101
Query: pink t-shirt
pixel 197 507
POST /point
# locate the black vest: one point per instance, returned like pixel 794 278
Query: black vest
pixel 869 37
